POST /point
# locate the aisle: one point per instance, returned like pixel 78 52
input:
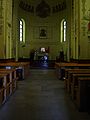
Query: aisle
pixel 41 97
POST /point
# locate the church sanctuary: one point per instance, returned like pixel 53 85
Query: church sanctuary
pixel 44 59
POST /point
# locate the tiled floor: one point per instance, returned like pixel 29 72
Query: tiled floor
pixel 41 97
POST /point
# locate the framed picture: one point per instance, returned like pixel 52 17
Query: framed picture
pixel 43 32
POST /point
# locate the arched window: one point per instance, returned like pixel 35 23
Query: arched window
pixel 22 30
pixel 63 30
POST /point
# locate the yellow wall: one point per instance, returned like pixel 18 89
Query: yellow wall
pixel 84 20
pixel 6 34
pixel 76 46
pixel 2 42
pixel 33 24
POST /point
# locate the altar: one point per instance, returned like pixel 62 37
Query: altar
pixel 43 56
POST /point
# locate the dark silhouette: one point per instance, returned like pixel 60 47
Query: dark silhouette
pixel 61 56
pixel 32 55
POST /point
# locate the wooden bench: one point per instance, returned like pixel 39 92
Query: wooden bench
pixel 79 80
pixel 80 91
pixel 68 76
pixel 60 68
pixel 8 77
pixel 3 84
pixel 13 78
pixel 8 83
pixel 2 89
pixel 22 68
pixel 74 83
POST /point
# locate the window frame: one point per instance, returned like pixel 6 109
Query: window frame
pixel 63 30
pixel 22 31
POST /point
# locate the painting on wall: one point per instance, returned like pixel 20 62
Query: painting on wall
pixel 43 32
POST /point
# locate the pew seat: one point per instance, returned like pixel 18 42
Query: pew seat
pixel 22 68
pixel 60 68
pixel 69 77
pixel 1 95
pixel 80 92
pixel 77 84
pixel 8 83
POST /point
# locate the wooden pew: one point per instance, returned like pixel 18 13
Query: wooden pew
pixel 8 83
pixel 68 76
pixel 9 75
pixel 75 81
pixel 12 77
pixel 81 91
pixel 2 89
pixel 5 83
pixel 60 68
pixel 76 90
pixel 22 68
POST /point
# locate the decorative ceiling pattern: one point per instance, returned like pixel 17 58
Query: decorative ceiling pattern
pixel 59 7
pixel 27 7
pixel 43 9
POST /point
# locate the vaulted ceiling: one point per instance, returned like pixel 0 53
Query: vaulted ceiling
pixel 50 2
pixel 43 7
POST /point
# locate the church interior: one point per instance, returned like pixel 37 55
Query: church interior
pixel 45 59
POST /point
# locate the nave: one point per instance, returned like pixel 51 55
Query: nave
pixel 41 96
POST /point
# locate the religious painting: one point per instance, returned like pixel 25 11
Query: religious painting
pixel 43 32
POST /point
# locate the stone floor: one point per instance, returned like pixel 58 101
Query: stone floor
pixel 41 96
